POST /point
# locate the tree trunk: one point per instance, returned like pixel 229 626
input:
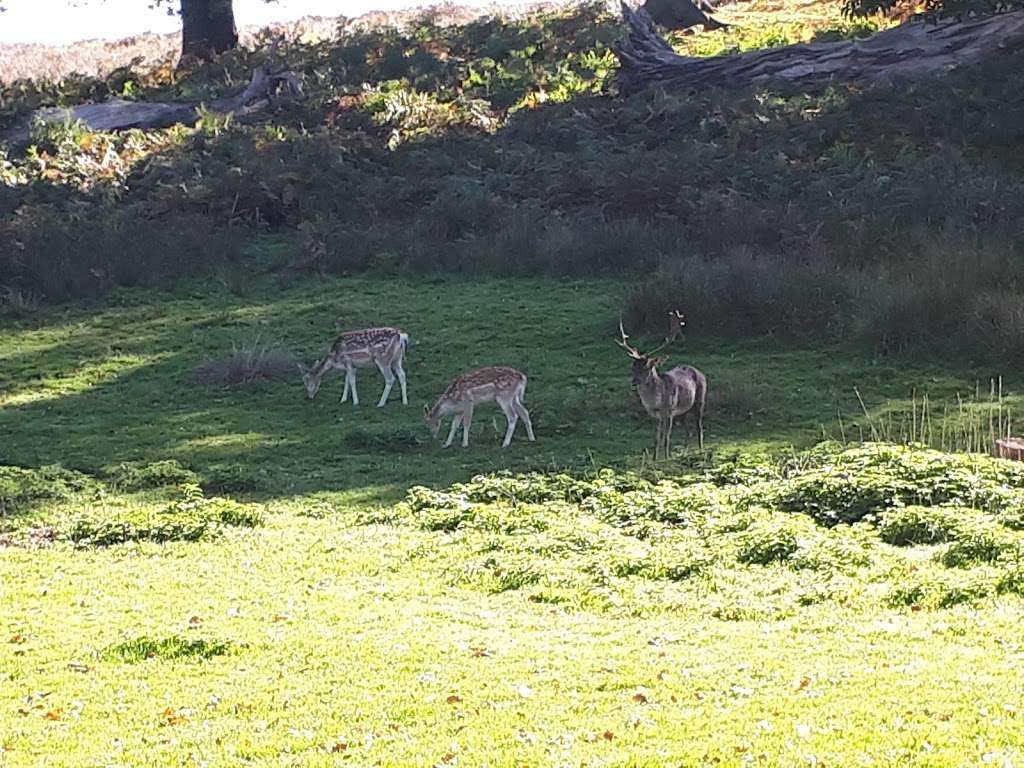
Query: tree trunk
pixel 911 51
pixel 207 28
pixel 681 14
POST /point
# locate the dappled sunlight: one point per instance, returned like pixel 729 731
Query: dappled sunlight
pixel 83 377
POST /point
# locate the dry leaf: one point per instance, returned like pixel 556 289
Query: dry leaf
pixel 741 748
pixel 339 746
pixel 55 714
pixel 447 757
pixel 282 617
pixel 607 735
pixel 175 716
pixel 18 639
pixel 453 699
pixel 78 666
pixel 802 683
pixel 194 622
pixel 480 652
pixel 639 698
pixel 244 707
pixel 664 675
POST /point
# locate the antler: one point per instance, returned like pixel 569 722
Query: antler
pixel 631 351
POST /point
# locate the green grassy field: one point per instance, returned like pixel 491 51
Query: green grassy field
pixel 347 630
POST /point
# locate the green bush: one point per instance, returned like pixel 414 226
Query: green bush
pixel 847 486
pixel 158 474
pixel 772 540
pixel 191 518
pixel 24 489
pixel 907 526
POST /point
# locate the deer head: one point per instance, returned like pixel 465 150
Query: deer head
pixel 643 364
pixel 310 379
pixel 676 323
pixel 432 419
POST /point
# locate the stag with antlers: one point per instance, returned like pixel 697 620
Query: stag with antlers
pixel 383 347
pixel 665 396
pixel 505 386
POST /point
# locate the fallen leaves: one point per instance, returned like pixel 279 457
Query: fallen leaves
pixel 605 736
pixel 18 639
pixel 639 698
pixel 339 746
pixel 479 653
pixel 195 622
pixel 78 666
pixel 57 713
pixel 172 716
pixel 454 699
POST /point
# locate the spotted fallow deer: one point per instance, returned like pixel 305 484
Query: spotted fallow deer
pixel 505 386
pixel 666 395
pixel 383 347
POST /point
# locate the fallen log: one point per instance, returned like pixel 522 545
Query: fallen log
pixel 120 115
pixel 911 51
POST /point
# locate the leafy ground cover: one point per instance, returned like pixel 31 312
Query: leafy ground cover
pixel 769 602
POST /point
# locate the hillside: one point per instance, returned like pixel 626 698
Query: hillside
pixel 202 564
pixel 499 147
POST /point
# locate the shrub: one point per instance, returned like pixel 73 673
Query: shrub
pixel 907 526
pixel 848 485
pixel 191 518
pixel 772 540
pixel 978 542
pixel 158 474
pixel 24 489
pixel 251 362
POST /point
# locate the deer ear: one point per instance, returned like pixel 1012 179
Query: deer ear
pixel 426 410
pixel 301 367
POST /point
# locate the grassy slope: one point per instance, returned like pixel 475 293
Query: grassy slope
pixel 358 636
pixel 93 387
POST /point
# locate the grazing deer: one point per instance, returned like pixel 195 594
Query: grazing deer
pixel 666 395
pixel 505 386
pixel 676 323
pixel 383 347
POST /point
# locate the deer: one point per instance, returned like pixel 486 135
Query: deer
pixel 383 347
pixel 676 323
pixel 504 386
pixel 666 395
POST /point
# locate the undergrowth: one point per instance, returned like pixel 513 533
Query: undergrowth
pixel 756 537
pixel 89 511
pixel 500 147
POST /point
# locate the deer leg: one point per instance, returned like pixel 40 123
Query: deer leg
pixel 467 418
pixel 389 382
pixel 350 374
pixel 513 417
pixel 400 373
pixel 700 426
pixel 344 391
pixel 525 416
pixel 451 432
pixel 657 441
pixel 668 436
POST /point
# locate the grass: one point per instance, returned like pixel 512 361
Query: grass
pixel 221 575
pixel 114 382
pixel 330 626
